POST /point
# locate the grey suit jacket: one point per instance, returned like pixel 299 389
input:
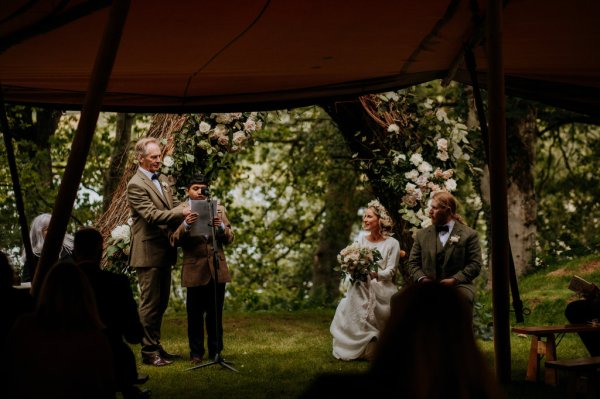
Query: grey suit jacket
pixel 462 255
pixel 153 215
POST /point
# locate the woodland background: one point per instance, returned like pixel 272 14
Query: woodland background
pixel 295 194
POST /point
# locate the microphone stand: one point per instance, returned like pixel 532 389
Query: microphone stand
pixel 218 358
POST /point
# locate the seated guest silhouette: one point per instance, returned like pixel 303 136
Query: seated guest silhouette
pixel 584 311
pixel 117 309
pixel 37 234
pixel 60 350
pixel 426 351
pixel 13 303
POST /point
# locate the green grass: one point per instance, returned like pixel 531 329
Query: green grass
pixel 279 353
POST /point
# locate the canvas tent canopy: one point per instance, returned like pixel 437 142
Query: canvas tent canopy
pixel 188 56
pixel 204 56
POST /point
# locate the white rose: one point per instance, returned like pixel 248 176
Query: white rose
pixel 450 184
pixel 168 161
pixel 239 138
pixel 120 233
pixel 393 128
pixel 204 127
pixel 220 130
pixel 416 159
pixel 425 167
pixel 412 175
pixel 442 156
pixel 250 125
pixel 442 145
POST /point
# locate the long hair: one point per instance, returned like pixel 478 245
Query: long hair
pixel 66 300
pixel 447 201
pixel 428 350
pixel 36 234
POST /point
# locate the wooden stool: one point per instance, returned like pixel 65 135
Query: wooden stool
pixel 576 368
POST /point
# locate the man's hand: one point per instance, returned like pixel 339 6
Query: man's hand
pixel 187 211
pixel 449 281
pixel 425 280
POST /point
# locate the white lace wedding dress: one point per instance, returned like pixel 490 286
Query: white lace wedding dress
pixel 363 312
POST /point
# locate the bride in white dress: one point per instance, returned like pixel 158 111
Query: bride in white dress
pixel 363 312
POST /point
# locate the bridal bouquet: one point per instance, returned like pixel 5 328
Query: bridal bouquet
pixel 356 261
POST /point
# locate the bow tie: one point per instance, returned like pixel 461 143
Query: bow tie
pixel 154 176
pixel 441 228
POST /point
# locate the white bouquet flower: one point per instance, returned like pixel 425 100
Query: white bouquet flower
pixel 357 261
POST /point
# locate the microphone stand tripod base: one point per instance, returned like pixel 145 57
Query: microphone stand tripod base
pixel 218 360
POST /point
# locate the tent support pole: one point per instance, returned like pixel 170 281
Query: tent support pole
pixel 498 190
pixel 14 174
pixel 84 134
pixel 485 136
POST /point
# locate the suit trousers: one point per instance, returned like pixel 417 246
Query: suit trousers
pixel 200 305
pixel 155 289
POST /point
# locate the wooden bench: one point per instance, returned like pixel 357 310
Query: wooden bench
pixel 544 342
pixel 585 366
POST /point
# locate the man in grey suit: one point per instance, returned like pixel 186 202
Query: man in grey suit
pixel 154 213
pixel 448 251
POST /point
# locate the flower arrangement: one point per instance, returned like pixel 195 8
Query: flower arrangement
pixel 426 150
pixel 119 245
pixel 357 261
pixel 205 143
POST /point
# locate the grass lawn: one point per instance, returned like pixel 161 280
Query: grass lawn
pixel 279 353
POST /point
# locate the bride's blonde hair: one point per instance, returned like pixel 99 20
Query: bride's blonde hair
pixel 385 221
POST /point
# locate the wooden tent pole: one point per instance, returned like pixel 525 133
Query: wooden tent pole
pixel 472 68
pixel 67 193
pixel 498 190
pixel 14 174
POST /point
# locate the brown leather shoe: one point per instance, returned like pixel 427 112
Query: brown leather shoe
pixel 154 359
pixel 196 360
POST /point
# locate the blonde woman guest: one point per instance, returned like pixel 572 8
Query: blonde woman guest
pixel 363 312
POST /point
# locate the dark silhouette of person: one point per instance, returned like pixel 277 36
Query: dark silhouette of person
pixel 60 350
pixel 426 351
pixel 14 302
pixel 583 311
pixel 116 307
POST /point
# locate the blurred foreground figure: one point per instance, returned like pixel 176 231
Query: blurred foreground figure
pixel 60 350
pixel 116 307
pixel 427 351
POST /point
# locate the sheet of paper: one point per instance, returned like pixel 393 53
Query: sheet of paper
pixel 203 208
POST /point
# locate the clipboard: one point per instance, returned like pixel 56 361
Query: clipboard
pixel 203 226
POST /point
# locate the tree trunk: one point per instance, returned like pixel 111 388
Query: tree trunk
pixel 341 206
pixel 118 158
pixel 522 204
